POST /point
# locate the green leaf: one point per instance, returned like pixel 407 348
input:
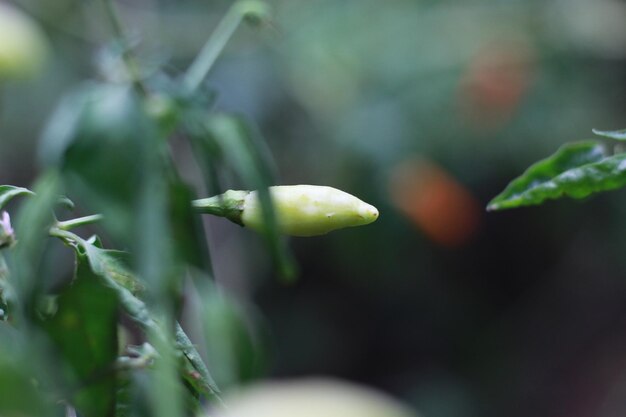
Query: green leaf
pixel 7 192
pixel 109 266
pixel 31 228
pixel 612 134
pixel 233 351
pixel 84 330
pixel 196 372
pixel 114 265
pixel 575 170
pixel 109 269
pixel 65 202
pixel 187 230
pixel 20 396
pixel 63 127
pixel 101 139
pixel 236 140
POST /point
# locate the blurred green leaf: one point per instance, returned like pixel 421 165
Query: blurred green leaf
pixel 5 288
pixel 612 134
pixel 31 228
pixel 162 270
pixel 233 352
pixel 84 329
pixel 206 152
pixel 66 202
pixel 4 271
pixel 64 125
pixel 575 170
pixel 124 400
pixel 187 228
pixel 7 192
pixel 97 138
pixel 20 397
pixel 235 139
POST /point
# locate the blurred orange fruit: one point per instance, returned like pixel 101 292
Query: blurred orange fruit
pixel 435 202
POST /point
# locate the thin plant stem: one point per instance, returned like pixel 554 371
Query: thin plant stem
pixel 66 235
pixel 81 221
pixel 215 45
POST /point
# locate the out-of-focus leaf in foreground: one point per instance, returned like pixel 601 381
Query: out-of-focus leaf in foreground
pixel 96 139
pixel 84 330
pixel 7 192
pixel 235 353
pixel 20 396
pixel 576 170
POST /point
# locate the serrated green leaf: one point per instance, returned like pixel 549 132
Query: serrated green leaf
pixel 107 267
pixel 612 134
pixel 84 330
pixel 575 170
pixel 196 372
pixel 113 264
pixel 7 192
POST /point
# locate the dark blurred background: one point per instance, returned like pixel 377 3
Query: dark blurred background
pixel 426 109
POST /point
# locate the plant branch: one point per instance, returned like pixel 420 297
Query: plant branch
pixel 66 235
pixel 218 40
pixel 81 221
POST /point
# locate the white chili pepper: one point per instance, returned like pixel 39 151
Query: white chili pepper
pixel 301 210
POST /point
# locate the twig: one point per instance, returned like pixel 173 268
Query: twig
pixel 218 40
pixel 81 221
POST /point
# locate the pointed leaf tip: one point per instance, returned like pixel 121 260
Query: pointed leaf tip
pixel 7 192
pixel 612 134
pixel 576 170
